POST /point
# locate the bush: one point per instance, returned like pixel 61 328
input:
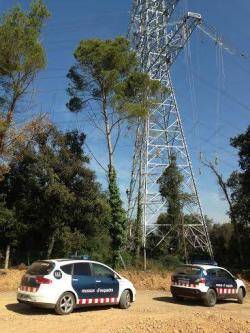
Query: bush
pixel 246 274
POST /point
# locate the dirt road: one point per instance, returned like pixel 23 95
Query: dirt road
pixel 154 311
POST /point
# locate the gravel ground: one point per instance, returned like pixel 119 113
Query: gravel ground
pixel 154 311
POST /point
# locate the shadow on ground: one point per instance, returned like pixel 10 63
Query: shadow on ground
pixel 169 299
pixel 29 310
pixel 189 302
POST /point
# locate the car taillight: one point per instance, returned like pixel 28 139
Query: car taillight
pixel 43 280
pixel 203 280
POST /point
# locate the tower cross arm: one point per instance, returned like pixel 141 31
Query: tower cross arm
pixel 175 42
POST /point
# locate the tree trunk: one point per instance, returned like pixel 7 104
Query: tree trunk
pixel 224 188
pixel 108 138
pixel 7 257
pixel 184 239
pixel 138 222
pixel 8 121
pixel 51 245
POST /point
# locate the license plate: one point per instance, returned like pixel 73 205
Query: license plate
pixel 183 281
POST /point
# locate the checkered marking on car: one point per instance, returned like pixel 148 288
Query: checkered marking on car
pixel 105 300
pixel 29 289
pixel 189 285
pixel 225 291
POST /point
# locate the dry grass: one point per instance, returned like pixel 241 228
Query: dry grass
pixel 149 280
pixel 142 280
pixel 11 280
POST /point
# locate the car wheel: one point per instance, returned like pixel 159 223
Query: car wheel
pixel 125 300
pixel 210 298
pixel 65 304
pixel 240 296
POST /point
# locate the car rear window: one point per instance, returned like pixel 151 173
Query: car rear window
pixel 41 268
pixel 188 270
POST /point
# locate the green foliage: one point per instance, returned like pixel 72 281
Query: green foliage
pixel 56 198
pixel 105 71
pixel 118 219
pixel 136 95
pixel 9 226
pixel 21 53
pixel 171 189
pixel 172 261
pixel 137 230
pixel 22 56
pixel 100 65
pixel 221 236
pixel 239 181
pixel 71 242
pixel 239 184
pixel 106 75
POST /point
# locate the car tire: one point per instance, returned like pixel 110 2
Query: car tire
pixel 240 296
pixel 125 300
pixel 210 298
pixel 65 304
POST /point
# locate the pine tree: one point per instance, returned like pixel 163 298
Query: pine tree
pixel 118 219
pixel 171 189
pixel 22 56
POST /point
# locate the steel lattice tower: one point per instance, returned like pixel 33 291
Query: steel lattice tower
pixel 158 42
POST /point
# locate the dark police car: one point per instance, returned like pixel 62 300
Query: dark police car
pixel 206 282
pixel 63 284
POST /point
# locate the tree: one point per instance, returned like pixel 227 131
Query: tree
pixel 239 185
pixel 106 83
pixel 117 226
pixel 223 242
pixel 55 195
pixel 9 229
pixel 137 232
pixel 223 184
pixel 239 181
pixel 171 190
pixel 237 194
pixel 105 74
pixel 71 242
pixel 21 58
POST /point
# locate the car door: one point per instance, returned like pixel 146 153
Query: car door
pixel 211 278
pixel 107 284
pixel 226 285
pixel 83 283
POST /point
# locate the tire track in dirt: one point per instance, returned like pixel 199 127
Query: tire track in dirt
pixel 154 311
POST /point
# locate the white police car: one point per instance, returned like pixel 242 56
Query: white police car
pixel 64 284
pixel 206 282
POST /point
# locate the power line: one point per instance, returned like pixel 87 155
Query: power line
pixel 222 91
pixel 213 33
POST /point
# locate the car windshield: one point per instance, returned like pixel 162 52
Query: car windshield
pixel 40 268
pixel 188 270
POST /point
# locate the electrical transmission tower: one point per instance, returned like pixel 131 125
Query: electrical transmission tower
pixel 158 43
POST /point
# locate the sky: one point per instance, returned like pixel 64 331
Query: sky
pixel 211 85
